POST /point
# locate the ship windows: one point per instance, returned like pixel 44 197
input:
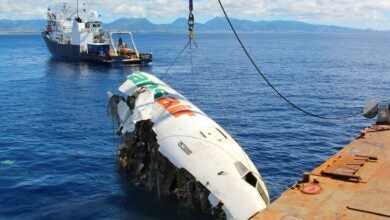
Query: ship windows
pixel 262 193
pixel 92 25
pixel 251 179
pixel 241 168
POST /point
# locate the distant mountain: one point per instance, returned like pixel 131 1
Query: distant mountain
pixel 217 24
pixel 131 24
pixel 220 24
pixel 178 24
pixel 21 26
pixel 144 25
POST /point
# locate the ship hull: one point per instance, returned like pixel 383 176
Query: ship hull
pixel 72 53
pixel 62 51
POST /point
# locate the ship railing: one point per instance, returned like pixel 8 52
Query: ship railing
pixel 111 33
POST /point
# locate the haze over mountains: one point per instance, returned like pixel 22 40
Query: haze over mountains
pixel 217 24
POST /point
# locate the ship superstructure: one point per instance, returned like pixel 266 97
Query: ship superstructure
pixel 80 36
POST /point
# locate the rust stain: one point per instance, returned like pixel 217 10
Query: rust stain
pixel 353 184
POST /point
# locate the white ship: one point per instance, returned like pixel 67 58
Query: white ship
pixel 71 35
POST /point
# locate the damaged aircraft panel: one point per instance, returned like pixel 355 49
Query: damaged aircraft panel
pixel 172 147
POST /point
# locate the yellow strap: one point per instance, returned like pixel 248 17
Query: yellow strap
pixel 191 35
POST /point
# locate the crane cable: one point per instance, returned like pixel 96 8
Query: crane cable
pixel 191 20
pixel 191 24
pixel 191 35
pixel 271 85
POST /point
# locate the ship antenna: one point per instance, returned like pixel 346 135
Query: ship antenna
pixel 77 8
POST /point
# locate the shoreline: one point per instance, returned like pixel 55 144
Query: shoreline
pixel 220 32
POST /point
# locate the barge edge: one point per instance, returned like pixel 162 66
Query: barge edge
pixel 352 184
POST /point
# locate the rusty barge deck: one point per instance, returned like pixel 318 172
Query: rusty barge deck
pixel 352 184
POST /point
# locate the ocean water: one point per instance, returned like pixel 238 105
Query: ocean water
pixel 58 150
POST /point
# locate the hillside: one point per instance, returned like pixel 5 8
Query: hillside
pixel 217 24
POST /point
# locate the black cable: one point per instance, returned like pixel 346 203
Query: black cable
pixel 270 84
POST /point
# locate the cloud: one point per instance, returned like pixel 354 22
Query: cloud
pixel 149 8
pixel 353 13
pixel 22 9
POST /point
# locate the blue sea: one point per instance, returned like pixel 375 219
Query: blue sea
pixel 58 149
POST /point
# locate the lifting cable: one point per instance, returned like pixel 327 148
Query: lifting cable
pixel 191 35
pixel 271 85
pixel 191 24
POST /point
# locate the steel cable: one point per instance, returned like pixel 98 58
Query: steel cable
pixel 271 85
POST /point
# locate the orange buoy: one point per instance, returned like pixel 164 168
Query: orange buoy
pixel 125 50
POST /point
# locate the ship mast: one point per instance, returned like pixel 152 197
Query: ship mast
pixel 77 8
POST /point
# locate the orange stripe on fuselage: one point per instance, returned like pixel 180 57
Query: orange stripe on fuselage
pixel 175 107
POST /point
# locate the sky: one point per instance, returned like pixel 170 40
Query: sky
pixel 366 14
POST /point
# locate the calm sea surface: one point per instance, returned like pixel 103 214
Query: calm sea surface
pixel 58 151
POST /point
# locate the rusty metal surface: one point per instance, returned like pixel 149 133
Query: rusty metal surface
pixel 375 198
pixel 346 167
pixel 355 184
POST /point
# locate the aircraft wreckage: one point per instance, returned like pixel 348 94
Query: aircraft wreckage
pixel 173 148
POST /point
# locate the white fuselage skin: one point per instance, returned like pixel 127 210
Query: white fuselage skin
pixel 189 139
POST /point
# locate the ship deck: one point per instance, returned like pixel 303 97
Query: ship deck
pixel 352 184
